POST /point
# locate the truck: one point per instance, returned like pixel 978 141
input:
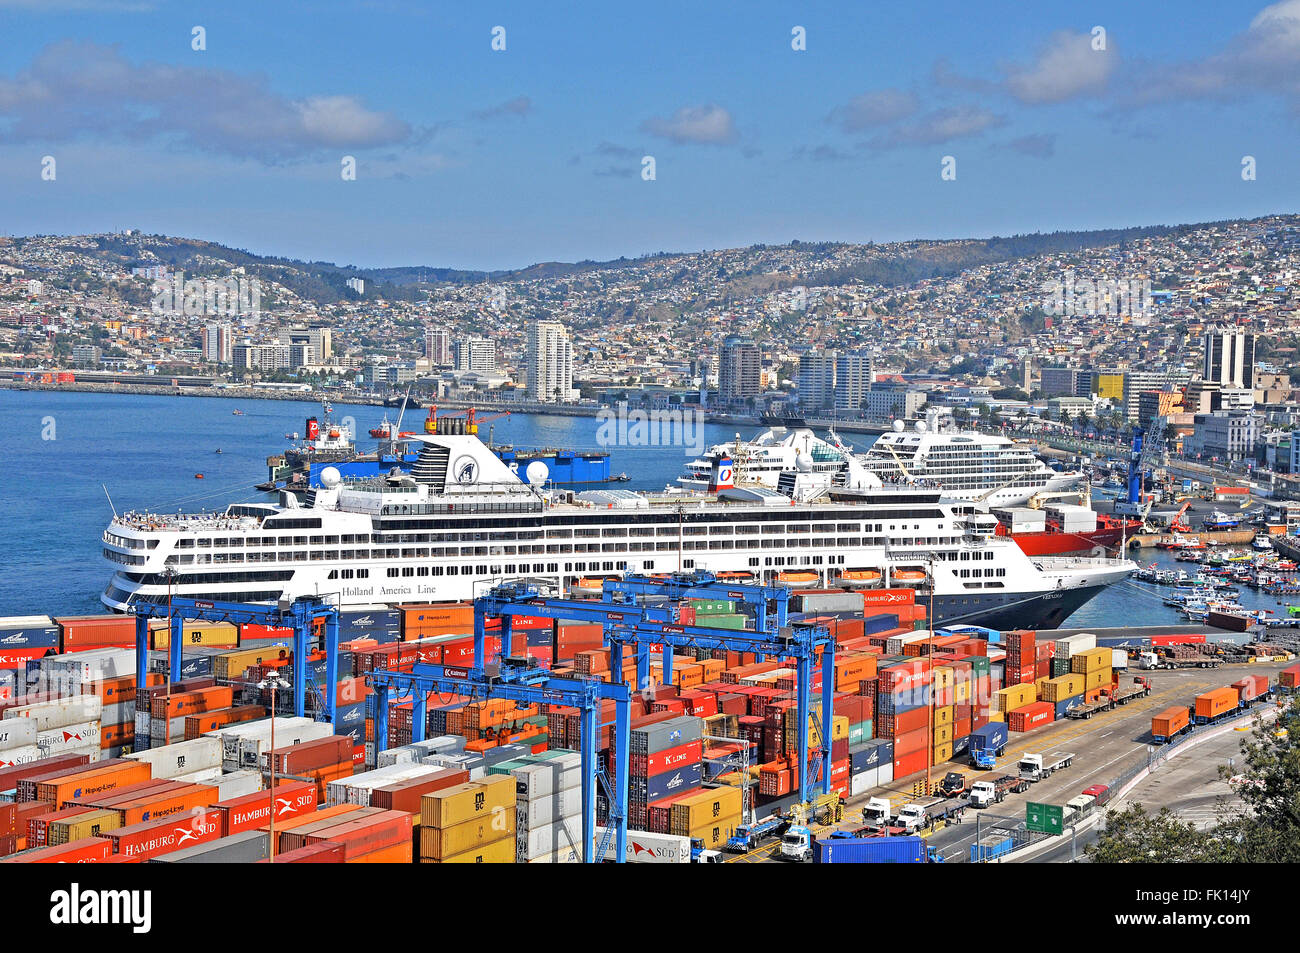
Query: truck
pixel 987 744
pixel 1174 660
pixel 750 836
pixel 1169 724
pixel 921 814
pixel 986 793
pixel 1077 807
pixel 701 854
pixel 873 850
pixel 1035 767
pixel 954 784
pixel 877 812
pixel 1140 688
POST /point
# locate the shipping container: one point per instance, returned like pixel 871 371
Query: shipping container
pixel 465 802
pixel 1169 723
pixel 1216 702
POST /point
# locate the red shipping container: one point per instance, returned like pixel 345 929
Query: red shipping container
pixel 405 795
pixel 362 836
pixel 303 757
pixel 911 741
pixel 248 812
pixel 88 850
pixel 1031 716
pixel 909 764
pixel 666 760
pixel 153 838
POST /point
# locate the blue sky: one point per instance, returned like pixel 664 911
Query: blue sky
pixel 475 158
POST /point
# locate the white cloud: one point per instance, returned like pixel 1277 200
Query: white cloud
pixel 873 109
pixel 73 90
pixel 941 125
pixel 709 124
pixel 1066 67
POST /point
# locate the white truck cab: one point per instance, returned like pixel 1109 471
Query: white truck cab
pixel 796 843
pixel 983 793
pixel 877 811
pixel 912 816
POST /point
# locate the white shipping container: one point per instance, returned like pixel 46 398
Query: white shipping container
pixel 544 811
pixel 1074 644
pixel 17 732
pixel 545 777
pixel 59 740
pixel 647 848
pixel 764 676
pixel 547 839
pixel 885 773
pixel 20 755
pixel 160 732
pixel 358 788
pixel 93 665
pixel 252 746
pixel 864 781
pixel 894 645
pixel 58 712
pixel 475 766
pixel 238 783
pixel 182 757
pixel 559 857
pixel 448 744
pixel 1119 659
pixel 118 713
pixel 206 776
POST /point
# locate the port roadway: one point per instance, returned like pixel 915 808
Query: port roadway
pixel 1106 747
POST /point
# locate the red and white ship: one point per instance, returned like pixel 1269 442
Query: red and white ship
pixel 1052 539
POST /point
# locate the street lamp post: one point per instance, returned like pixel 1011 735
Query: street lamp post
pixel 273 682
pixel 170 575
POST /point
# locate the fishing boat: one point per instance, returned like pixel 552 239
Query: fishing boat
pixel 1262 542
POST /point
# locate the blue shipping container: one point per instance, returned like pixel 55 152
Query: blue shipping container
pixel 354 619
pixel 685 778
pixel 1063 706
pixel 961 745
pixel 871 754
pixel 29 637
pixel 869 850
pixel 992 735
pixel 990 848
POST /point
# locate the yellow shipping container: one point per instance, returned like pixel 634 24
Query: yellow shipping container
pixel 233 664
pixel 839 727
pixel 943 752
pixel 943 677
pixel 1013 697
pixel 497 852
pixel 219 634
pixel 715 833
pixel 943 715
pixel 464 802
pixel 941 734
pixel 997 716
pixel 82 826
pixel 1062 687
pixel 1085 663
pixel 440 842
pixel 961 691
pixel 704 808
pixel 1097 678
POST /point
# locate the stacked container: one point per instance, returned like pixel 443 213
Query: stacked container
pixel 470 823
pixel 1021 648
pixel 548 807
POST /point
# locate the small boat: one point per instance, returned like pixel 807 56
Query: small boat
pixel 237 413
pixel 797 580
pixel 218 449
pixel 384 431
pixel 198 476
pixel 1262 542
pixel 858 578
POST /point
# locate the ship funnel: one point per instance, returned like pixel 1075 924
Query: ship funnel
pixel 722 476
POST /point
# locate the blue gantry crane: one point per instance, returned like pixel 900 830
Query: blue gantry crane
pixel 299 614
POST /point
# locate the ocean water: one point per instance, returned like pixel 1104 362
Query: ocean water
pixel 68 454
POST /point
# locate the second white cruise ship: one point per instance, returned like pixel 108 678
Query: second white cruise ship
pixel 461 521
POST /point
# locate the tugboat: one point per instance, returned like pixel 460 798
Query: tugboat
pixel 385 431
pixel 1262 542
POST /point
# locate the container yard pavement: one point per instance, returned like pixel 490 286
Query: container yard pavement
pixel 1105 747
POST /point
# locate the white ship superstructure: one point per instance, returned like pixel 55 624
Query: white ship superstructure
pixel 462 521
pixel 771 453
pixel 986 469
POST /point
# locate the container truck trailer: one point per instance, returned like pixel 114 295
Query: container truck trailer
pixel 874 850
pixel 987 744
pixel 1140 688
pixel 1169 724
pixel 1035 767
pixel 985 793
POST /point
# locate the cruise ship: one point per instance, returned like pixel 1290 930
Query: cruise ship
pixel 462 520
pixel 987 470
pixel 771 453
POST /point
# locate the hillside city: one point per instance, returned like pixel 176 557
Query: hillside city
pixel 1194 329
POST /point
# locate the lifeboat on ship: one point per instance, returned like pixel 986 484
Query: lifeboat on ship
pixel 859 578
pixel 740 578
pixel 798 580
pixel 588 587
pixel 908 578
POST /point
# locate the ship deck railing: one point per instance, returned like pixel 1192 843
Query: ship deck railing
pixel 1080 562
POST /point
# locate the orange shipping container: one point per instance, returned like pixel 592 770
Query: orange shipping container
pixel 1215 702
pixel 1169 722
pixel 156 806
pixel 89 783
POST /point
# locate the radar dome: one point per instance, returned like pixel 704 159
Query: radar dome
pixel 899 426
pixel 330 477
pixel 803 462
pixel 920 426
pixel 536 472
